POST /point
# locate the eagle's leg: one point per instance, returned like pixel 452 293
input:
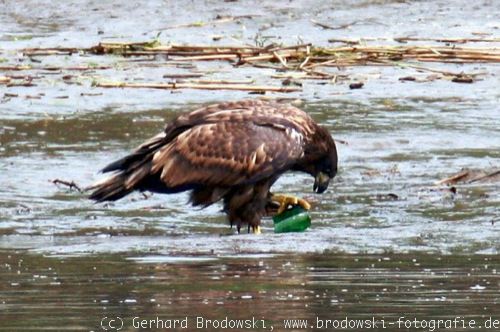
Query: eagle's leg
pixel 285 200
pixel 247 205
pixel 252 220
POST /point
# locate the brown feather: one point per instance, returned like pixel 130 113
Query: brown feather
pixel 206 196
pixel 206 155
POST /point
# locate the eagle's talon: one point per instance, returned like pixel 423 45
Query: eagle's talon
pixel 256 230
pixel 285 200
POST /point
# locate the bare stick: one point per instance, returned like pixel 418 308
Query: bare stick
pixel 339 27
pixel 453 178
pixel 282 60
pixel 71 185
pixel 209 57
pixel 173 86
pixel 448 40
pixel 482 177
pixel 306 60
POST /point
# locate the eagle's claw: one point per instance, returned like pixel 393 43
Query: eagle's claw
pixel 256 230
pixel 285 200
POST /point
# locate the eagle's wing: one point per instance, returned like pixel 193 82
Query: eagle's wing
pixel 257 111
pixel 219 145
pixel 227 154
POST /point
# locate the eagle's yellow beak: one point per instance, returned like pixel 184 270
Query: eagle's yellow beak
pixel 321 182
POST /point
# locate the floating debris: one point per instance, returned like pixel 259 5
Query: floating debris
pixel 462 79
pixel 472 176
pixel 199 86
pixel 357 85
pixel 478 287
pixel 71 184
pixel 303 61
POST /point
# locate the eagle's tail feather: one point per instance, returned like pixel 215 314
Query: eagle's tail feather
pixel 110 189
pixel 122 183
pixel 132 171
pixel 138 155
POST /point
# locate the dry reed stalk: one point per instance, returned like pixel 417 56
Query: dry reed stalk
pixel 281 59
pixel 173 86
pixel 485 176
pixel 215 47
pixel 222 81
pixel 453 178
pixel 208 57
pixel 16 68
pixel 304 57
pixel 449 40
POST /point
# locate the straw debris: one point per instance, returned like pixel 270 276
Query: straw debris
pixel 303 61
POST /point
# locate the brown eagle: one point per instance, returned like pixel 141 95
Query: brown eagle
pixel 231 151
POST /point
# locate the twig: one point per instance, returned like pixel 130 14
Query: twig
pixel 173 86
pixel 282 60
pixel 71 185
pixel 482 177
pixel 222 81
pixel 15 68
pixel 283 48
pixel 306 60
pixel 24 84
pixel 453 178
pixel 345 41
pixel 173 76
pixel 328 62
pixel 340 141
pixel 54 68
pixel 448 40
pixel 319 73
pixel 306 75
pixel 208 47
pixel 209 57
pixel 339 27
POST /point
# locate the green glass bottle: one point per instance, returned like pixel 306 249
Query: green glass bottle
pixel 295 219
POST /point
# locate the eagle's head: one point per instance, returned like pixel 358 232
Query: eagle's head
pixel 326 169
pixel 320 159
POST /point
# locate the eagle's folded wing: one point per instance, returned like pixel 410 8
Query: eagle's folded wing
pixel 227 154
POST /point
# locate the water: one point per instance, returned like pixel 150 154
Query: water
pixel 384 242
pixel 81 294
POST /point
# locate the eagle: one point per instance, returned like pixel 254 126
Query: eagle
pixel 232 151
